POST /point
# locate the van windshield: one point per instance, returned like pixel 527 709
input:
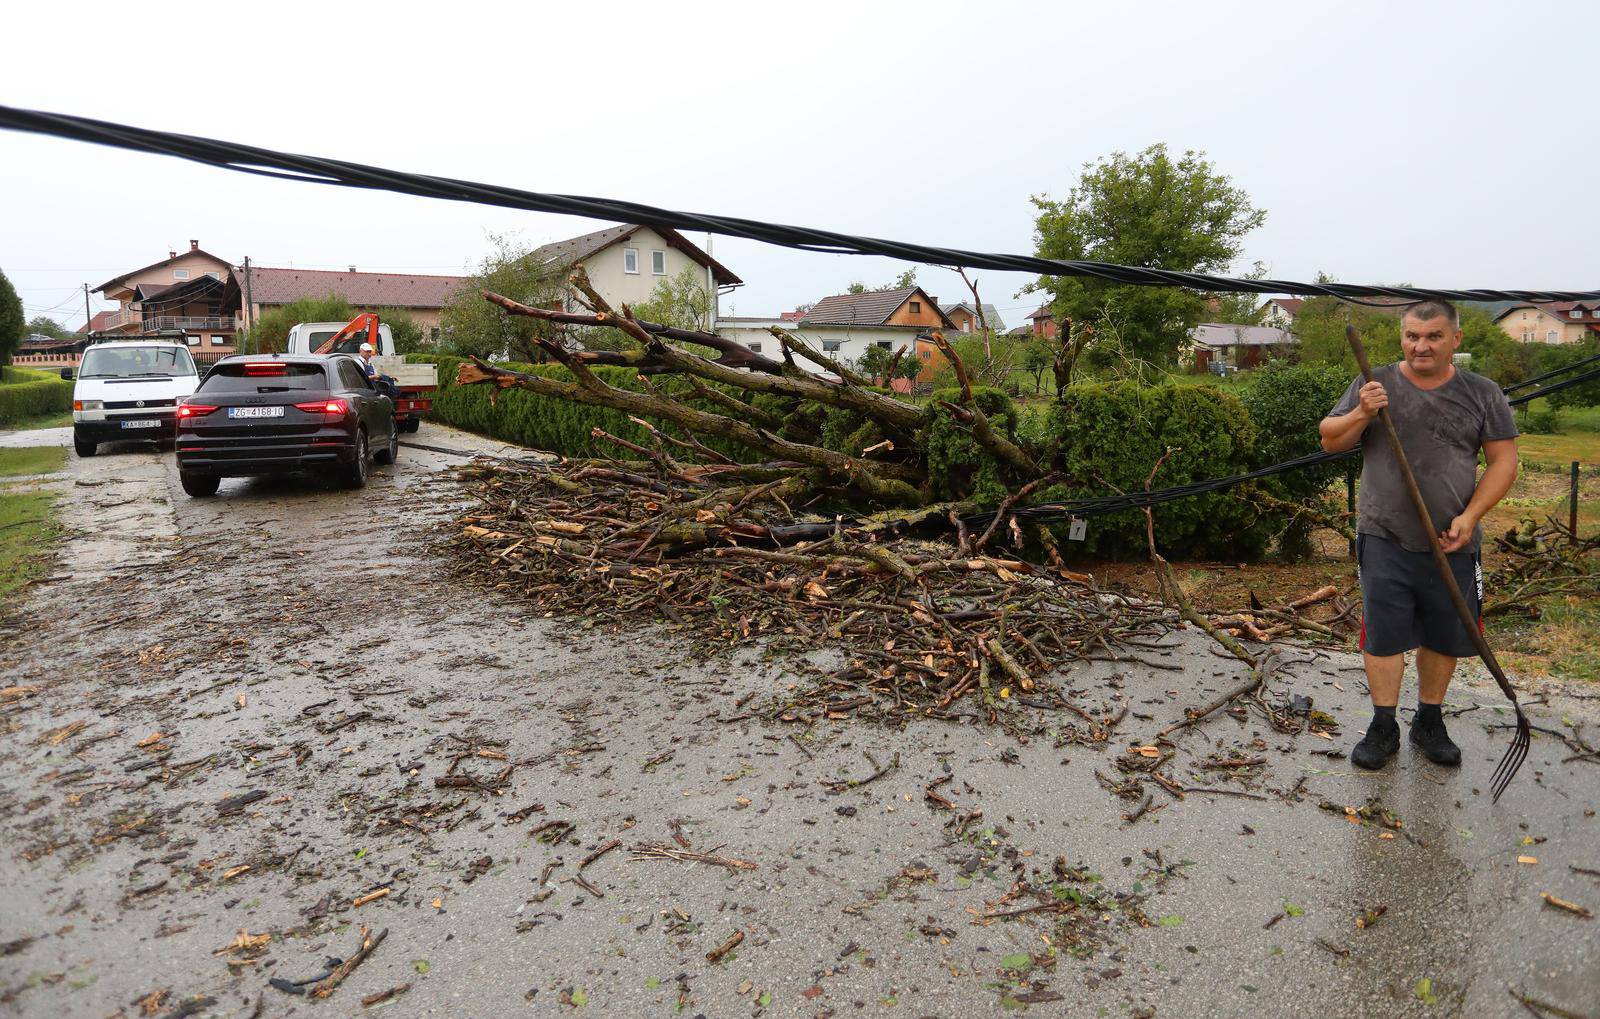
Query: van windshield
pixel 349 345
pixel 116 361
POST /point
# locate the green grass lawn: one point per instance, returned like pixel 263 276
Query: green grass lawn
pixel 28 531
pixel 32 460
pixel 60 420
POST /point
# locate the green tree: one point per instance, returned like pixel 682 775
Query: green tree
pixel 1038 357
pixel 44 325
pixel 474 327
pixel 408 338
pixel 1584 394
pixel 271 331
pixel 1148 209
pixel 1320 326
pixel 679 301
pixel 12 327
pixel 876 362
pixel 903 281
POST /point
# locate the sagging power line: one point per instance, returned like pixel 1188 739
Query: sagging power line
pixel 340 173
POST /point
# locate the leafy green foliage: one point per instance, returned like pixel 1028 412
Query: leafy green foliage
pixel 25 393
pixel 271 331
pixel 407 333
pixel 1286 403
pixel 1145 209
pixel 1585 394
pixel 681 302
pixel 12 327
pixel 540 422
pixel 474 327
pixel 958 467
pixel 1320 326
pixel 875 364
pixel 901 282
pixel 44 325
pixel 1106 437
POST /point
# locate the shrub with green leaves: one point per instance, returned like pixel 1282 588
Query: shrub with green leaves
pixel 526 418
pixel 958 467
pixel 26 393
pixel 1106 437
pixel 1287 402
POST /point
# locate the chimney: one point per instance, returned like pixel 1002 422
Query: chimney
pixel 172 254
pixel 194 245
pixel 352 269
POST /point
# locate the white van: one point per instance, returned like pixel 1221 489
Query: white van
pixel 129 390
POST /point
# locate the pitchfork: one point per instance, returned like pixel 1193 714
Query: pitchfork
pixel 1518 751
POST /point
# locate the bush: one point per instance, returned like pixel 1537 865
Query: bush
pixel 25 393
pixel 1286 403
pixel 1538 422
pixel 957 466
pixel 1107 436
pixel 525 418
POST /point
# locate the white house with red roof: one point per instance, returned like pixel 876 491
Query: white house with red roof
pixel 1556 322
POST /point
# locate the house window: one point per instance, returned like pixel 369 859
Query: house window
pixel 219 341
pixel 1576 313
pixel 213 275
pixel 433 335
pixel 883 344
pixel 926 355
pixel 755 347
pixel 916 307
pixel 658 263
pixel 630 260
pixel 1550 337
pixel 180 274
pixel 832 346
pixel 193 341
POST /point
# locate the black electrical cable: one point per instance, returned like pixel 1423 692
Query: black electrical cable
pixel 1554 372
pixel 288 166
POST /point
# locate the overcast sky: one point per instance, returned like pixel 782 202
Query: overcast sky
pixel 1450 144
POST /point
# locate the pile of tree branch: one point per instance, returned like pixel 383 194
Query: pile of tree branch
pixel 894 473
pixel 1544 560
pixel 922 626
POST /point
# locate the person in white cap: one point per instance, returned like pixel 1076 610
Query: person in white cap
pixel 383 383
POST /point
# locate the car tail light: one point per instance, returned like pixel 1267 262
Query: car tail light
pixel 194 410
pixel 335 407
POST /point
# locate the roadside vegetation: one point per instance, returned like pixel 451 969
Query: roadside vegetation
pixel 29 528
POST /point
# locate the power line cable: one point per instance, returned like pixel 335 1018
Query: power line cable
pixel 288 166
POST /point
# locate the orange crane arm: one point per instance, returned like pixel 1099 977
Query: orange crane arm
pixel 366 322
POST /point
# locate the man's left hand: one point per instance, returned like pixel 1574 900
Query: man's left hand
pixel 1459 534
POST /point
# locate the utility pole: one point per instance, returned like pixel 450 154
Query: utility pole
pixel 88 316
pixel 247 302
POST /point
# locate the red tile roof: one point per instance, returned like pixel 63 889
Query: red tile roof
pixel 363 289
pixel 1288 304
pixel 872 308
pixel 98 322
pixel 195 250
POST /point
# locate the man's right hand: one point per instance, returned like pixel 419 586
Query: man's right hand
pixel 1373 399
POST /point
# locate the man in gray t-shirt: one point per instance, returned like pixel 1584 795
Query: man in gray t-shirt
pixel 1443 416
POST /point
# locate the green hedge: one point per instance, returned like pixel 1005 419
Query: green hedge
pixel 1107 436
pixel 27 393
pixel 539 422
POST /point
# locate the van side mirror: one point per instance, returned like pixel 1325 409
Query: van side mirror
pixel 66 373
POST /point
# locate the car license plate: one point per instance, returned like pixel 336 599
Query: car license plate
pixel 255 412
pixel 141 423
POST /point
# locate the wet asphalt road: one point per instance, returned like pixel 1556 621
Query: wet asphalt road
pixel 300 644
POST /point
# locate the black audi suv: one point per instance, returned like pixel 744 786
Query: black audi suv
pixel 276 414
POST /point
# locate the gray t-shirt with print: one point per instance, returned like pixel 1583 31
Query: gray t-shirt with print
pixel 1441 430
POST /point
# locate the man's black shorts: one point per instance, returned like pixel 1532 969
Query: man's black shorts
pixel 1404 604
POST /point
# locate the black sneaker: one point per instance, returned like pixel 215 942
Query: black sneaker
pixel 1429 736
pixel 1381 742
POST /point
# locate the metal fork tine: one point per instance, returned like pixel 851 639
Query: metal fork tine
pixel 1512 761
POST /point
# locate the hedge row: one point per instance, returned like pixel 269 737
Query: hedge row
pixel 1105 438
pixel 525 418
pixel 26 393
pixel 1101 437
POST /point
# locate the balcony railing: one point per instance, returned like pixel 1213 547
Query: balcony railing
pixel 120 318
pixel 217 324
